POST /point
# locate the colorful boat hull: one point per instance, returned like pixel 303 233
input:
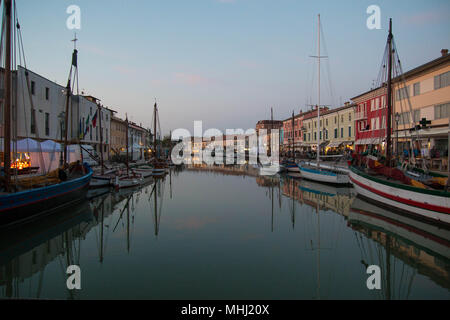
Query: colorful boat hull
pixel 431 205
pixel 25 205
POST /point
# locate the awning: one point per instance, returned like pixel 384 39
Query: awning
pixel 324 144
pixel 334 144
pixel 368 141
pixel 424 133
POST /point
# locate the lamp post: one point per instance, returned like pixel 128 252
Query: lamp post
pixel 61 117
pixel 397 119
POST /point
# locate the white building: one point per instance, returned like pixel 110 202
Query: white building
pixel 47 122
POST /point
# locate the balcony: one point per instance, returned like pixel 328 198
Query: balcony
pixel 360 115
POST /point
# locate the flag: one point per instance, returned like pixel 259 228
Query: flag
pixel 94 120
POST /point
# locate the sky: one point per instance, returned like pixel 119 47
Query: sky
pixel 225 62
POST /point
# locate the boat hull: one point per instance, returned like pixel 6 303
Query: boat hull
pixel 26 205
pixel 324 176
pixel 431 207
pixel 100 182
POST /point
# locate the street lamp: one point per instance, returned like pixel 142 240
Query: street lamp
pixel 397 119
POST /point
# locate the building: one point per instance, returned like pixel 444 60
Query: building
pixel 428 89
pixel 370 117
pixel 268 125
pixel 293 133
pixel 41 109
pixel 118 136
pixel 421 95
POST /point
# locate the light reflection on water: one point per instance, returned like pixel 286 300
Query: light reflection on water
pixel 226 233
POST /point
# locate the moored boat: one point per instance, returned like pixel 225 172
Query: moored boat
pixel 380 181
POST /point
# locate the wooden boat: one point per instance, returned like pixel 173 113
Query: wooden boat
pixel 40 194
pixel 127 181
pixel 389 186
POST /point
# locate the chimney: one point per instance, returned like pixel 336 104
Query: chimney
pixel 444 52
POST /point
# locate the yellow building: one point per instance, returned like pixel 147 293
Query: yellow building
pixel 337 128
pixel 428 89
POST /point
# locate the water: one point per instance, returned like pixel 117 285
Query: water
pixel 226 233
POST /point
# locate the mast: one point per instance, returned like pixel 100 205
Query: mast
pixel 101 137
pixel 154 129
pixel 7 113
pixel 318 105
pixel 126 138
pixel 292 144
pixel 389 97
pixel 271 128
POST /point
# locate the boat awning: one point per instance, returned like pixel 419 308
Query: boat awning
pixel 324 144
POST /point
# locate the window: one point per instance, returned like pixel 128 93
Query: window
pixel 33 87
pixel 335 120
pixel 442 80
pixel 402 93
pixel 417 115
pixel 326 121
pixel 349 117
pixel 342 118
pixel 349 131
pixel 315 135
pixel 326 134
pixel 47 124
pixel 404 118
pixel 320 135
pixel 33 122
pixel 47 93
pixel 335 133
pixel 416 89
pixel 442 111
pixel 342 132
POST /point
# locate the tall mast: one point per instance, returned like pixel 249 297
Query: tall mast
pixel 101 137
pixel 7 114
pixel 271 128
pixel 154 129
pixel 389 97
pixel 292 144
pixel 126 138
pixel 318 105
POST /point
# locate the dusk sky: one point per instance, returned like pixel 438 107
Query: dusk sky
pixel 225 62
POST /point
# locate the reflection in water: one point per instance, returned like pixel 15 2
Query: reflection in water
pixel 217 237
pixel 402 247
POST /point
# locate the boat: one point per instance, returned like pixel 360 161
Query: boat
pixel 384 183
pixel 318 173
pixel 26 198
pixel 102 179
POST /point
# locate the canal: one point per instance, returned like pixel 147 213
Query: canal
pixel 225 233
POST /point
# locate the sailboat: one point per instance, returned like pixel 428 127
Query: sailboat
pixel 388 185
pixel 103 178
pixel 24 199
pixel 317 173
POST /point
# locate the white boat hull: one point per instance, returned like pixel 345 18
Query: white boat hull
pixel 324 176
pixel 100 182
pixel 420 204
